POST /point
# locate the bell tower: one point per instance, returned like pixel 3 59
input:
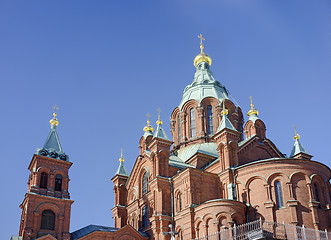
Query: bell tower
pixel 47 205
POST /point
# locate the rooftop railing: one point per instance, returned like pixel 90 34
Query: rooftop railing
pixel 260 229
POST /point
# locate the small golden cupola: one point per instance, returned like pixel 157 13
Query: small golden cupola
pixel 54 122
pixel 252 111
pixel 202 57
pixel 148 127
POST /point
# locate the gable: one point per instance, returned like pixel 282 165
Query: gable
pixel 252 149
pixel 46 237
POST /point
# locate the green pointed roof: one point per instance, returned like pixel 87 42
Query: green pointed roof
pixel 121 169
pixel 52 147
pixel 297 148
pixel 225 122
pixel 159 132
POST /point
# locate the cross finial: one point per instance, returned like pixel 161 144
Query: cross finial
pixel 55 107
pixel 251 102
pixel 296 135
pixel 148 116
pixel 159 117
pixel 201 44
pixel 121 158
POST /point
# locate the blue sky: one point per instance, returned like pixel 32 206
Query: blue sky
pixel 109 63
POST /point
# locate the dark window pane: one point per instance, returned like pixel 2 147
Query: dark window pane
pixel 145 216
pixel 192 122
pixel 210 121
pixel 43 180
pixel 47 220
pixel 279 194
pixel 144 183
pixel 58 182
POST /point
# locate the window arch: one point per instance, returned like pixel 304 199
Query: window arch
pixel 179 129
pixel 192 123
pixel 279 195
pixel 144 184
pixel 179 201
pixel 58 182
pixel 210 119
pixel 316 194
pixel 47 220
pixel 43 180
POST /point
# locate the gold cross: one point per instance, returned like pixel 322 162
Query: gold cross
pixel 159 110
pixel 148 116
pixel 201 38
pixel 251 102
pixel 55 108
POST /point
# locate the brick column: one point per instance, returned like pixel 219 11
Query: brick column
pixel 201 122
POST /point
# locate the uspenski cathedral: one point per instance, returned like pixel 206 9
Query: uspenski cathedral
pixel 215 173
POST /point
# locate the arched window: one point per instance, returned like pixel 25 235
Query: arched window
pixel 145 216
pixel 279 194
pixel 210 120
pixel 180 202
pixel 43 180
pixel 144 184
pixel 316 194
pixel 192 122
pixel 179 129
pixel 47 220
pixel 58 182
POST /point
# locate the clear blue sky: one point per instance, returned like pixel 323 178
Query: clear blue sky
pixel 108 63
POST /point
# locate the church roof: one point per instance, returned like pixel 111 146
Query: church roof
pixel 204 85
pixel 94 228
pixel 206 148
pixel 121 170
pixel 160 133
pixel 225 123
pixel 89 229
pixel 52 147
pixel 297 148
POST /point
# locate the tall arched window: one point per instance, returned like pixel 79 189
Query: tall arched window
pixel 144 183
pixel 43 180
pixel 47 220
pixel 179 129
pixel 192 122
pixel 279 194
pixel 145 216
pixel 58 182
pixel 316 194
pixel 210 120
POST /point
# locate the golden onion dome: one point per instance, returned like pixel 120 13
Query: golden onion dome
pixel 54 121
pixel 252 110
pixel 148 127
pixel 202 57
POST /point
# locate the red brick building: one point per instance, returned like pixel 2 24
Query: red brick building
pixel 216 171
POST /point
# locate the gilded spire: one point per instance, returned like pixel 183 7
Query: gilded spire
pixel 54 121
pixel 224 110
pixel 296 135
pixel 148 127
pixel 202 57
pixel 252 110
pixel 159 121
pixel 121 159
